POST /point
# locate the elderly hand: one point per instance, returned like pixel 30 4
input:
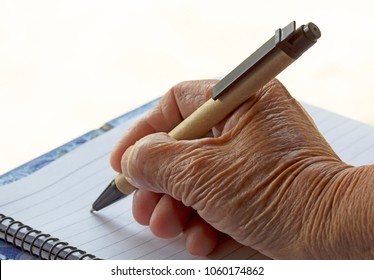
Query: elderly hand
pixel 265 176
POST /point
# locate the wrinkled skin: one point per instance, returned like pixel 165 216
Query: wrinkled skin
pixel 265 176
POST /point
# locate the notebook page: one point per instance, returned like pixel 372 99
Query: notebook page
pixel 57 198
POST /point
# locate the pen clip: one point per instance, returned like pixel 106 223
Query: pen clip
pixel 234 76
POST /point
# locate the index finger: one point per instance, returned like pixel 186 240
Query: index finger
pixel 176 105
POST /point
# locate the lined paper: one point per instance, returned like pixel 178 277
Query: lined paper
pixel 57 199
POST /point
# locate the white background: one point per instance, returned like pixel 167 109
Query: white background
pixel 66 67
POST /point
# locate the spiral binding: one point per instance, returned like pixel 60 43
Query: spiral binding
pixel 37 243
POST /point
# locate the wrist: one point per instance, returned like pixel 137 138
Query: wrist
pixel 292 221
pixel 338 217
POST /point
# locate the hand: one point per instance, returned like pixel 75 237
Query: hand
pixel 259 179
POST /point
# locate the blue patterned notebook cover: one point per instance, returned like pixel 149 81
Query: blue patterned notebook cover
pixel 8 251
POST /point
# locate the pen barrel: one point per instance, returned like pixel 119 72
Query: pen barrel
pixel 213 111
pixel 123 185
pixel 201 121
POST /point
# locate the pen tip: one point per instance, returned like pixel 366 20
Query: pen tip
pixel 110 195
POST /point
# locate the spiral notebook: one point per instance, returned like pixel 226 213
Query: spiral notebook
pixel 48 212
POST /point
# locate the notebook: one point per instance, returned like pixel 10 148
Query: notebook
pixel 48 212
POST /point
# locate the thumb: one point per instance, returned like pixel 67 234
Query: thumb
pixel 160 164
pixel 145 164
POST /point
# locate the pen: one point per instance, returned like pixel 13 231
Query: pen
pixel 281 50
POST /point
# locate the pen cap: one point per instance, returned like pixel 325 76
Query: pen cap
pixel 302 39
